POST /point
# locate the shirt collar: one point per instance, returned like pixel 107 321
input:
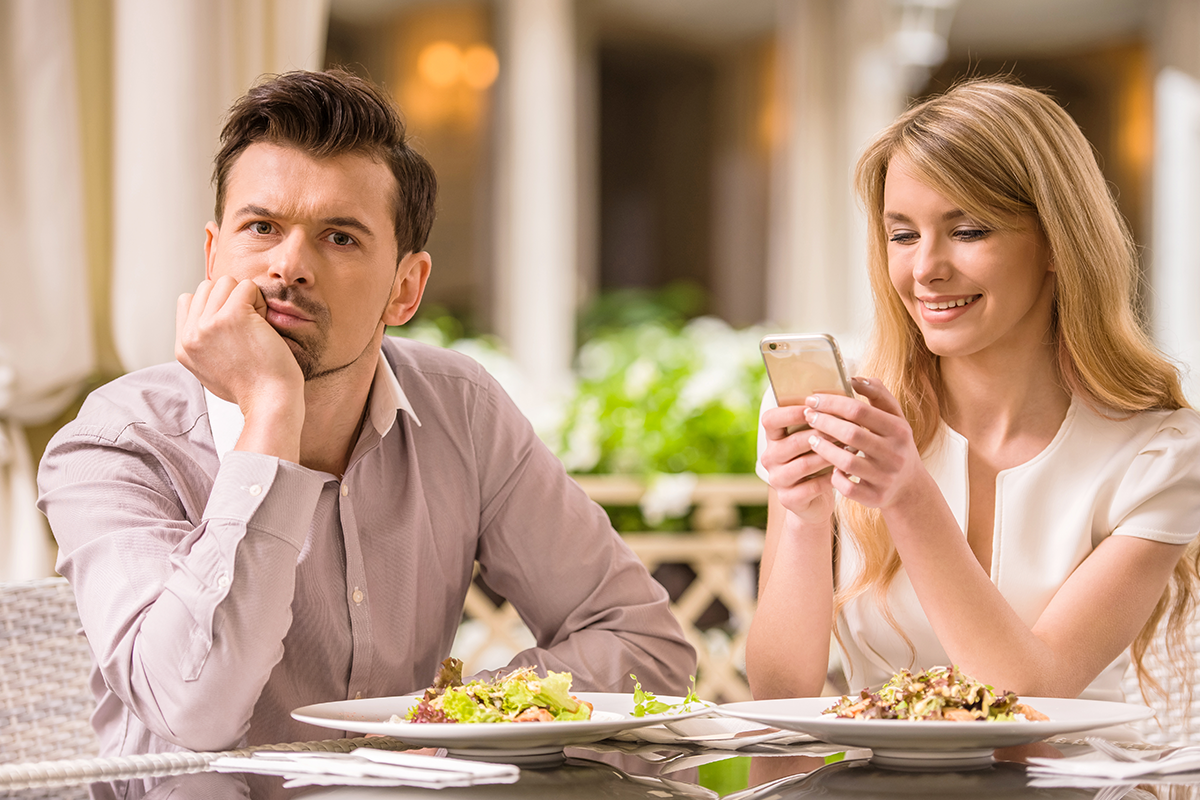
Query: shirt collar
pixel 387 397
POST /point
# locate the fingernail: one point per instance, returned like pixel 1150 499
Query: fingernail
pixel 812 441
pixel 810 415
pixel 813 401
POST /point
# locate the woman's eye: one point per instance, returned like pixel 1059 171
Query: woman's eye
pixel 971 234
pixel 341 239
pixel 261 228
pixel 902 237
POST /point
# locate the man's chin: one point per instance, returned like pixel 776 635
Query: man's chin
pixel 304 359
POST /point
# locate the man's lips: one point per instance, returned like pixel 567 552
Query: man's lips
pixel 285 315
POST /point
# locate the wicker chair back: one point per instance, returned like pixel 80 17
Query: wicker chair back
pixel 45 699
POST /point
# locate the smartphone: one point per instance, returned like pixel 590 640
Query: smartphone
pixel 800 365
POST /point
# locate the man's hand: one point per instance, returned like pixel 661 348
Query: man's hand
pixel 223 338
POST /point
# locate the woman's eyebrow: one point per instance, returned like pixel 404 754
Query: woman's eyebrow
pixel 896 216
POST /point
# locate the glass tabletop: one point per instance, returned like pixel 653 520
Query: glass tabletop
pixel 600 771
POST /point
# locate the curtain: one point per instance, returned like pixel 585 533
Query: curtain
pixel 46 347
pixel 178 67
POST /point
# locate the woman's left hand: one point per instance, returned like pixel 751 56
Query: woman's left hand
pixel 879 463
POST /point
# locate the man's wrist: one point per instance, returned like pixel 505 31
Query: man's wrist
pixel 273 431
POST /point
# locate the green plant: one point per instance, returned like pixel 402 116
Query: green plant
pixel 652 399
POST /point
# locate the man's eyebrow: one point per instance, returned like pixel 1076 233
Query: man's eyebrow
pixel 349 222
pixel 251 210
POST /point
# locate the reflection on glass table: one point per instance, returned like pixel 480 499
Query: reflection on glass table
pixel 629 770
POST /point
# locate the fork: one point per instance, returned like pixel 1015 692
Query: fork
pixel 1178 759
pixel 1118 753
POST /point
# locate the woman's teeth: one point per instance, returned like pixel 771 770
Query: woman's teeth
pixel 949 303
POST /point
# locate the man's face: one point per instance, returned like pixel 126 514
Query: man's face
pixel 317 237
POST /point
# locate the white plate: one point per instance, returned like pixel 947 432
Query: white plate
pixel 612 713
pixel 931 741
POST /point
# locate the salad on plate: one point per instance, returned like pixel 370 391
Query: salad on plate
pixel 519 696
pixel 937 693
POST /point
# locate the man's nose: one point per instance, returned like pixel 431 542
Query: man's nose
pixel 291 259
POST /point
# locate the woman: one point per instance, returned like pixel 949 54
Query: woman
pixel 1018 491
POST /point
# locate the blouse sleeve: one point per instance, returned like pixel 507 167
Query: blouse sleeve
pixel 1159 497
pixel 768 402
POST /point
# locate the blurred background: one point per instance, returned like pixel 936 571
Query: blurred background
pixel 632 191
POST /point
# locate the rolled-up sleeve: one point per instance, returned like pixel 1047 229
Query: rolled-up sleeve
pixel 168 566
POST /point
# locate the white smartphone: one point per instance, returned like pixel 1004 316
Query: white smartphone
pixel 800 365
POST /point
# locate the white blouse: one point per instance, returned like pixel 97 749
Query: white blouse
pixel 1101 475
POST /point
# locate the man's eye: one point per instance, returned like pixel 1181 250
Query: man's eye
pixel 261 228
pixel 341 239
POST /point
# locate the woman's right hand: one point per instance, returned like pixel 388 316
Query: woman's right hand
pixel 792 465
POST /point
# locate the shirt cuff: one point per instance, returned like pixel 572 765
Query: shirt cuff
pixel 267 494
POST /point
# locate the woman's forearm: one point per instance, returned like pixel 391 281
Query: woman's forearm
pixel 787 650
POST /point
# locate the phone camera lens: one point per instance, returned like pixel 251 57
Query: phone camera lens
pixel 772 345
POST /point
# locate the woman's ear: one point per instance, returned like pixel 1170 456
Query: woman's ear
pixel 408 288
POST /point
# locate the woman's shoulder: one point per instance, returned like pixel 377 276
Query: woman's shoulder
pixel 1150 443
pixel 1177 423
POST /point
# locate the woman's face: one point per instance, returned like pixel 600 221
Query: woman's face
pixel 969 288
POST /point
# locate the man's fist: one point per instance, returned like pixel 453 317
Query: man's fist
pixel 222 336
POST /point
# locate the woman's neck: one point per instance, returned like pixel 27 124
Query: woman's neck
pixel 998 397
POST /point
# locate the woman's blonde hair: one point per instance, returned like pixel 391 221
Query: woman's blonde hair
pixel 999 151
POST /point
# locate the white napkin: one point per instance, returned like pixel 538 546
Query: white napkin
pixel 1097 768
pixel 369 767
pixel 721 733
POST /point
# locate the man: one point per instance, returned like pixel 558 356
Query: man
pixel 291 513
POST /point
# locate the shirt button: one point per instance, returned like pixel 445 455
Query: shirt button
pixel 223 580
pixel 357 597
pixel 255 490
pixel 345 490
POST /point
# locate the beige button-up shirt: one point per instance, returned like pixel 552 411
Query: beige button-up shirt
pixel 220 589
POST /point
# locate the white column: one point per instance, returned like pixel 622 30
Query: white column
pixel 537 203
pixel 1175 272
pixel 839 84
pixel 1174 261
pixel 805 260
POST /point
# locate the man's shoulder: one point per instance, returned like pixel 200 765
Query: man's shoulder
pixel 165 398
pixel 416 362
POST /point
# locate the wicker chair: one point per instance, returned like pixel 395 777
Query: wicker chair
pixel 1176 718
pixel 45 701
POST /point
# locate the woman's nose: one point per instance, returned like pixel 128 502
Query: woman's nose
pixel 931 262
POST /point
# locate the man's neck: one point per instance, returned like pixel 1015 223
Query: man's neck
pixel 335 409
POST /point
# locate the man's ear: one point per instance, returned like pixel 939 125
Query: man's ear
pixel 211 230
pixel 408 288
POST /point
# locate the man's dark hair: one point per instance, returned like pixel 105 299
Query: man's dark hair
pixel 329 114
